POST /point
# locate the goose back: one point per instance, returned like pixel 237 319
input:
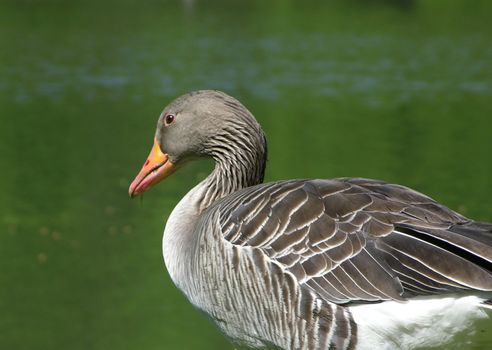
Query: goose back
pixel 360 240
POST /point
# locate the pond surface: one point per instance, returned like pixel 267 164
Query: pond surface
pixel 393 90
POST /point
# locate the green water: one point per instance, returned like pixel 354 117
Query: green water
pixel 394 90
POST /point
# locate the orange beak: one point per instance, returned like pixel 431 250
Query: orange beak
pixel 156 168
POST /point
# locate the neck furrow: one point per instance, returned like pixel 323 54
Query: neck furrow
pixel 231 174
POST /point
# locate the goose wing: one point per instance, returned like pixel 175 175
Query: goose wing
pixel 360 240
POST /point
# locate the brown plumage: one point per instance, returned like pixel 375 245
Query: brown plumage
pixel 355 240
pixel 309 264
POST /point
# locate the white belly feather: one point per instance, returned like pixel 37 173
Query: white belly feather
pixel 422 322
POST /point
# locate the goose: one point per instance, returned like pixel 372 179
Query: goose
pixel 346 263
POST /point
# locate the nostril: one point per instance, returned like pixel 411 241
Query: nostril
pixel 146 162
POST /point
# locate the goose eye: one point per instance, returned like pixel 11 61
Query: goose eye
pixel 168 119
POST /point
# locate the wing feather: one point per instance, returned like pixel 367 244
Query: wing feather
pixel 360 240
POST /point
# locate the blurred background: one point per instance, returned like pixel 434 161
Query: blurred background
pixel 394 90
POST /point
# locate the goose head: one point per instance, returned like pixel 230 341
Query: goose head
pixel 200 124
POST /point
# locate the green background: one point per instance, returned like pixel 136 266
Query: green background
pixel 393 90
